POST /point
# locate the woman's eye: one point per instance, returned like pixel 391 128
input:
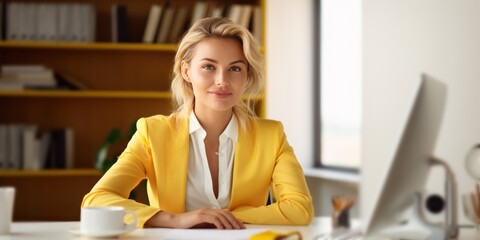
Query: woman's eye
pixel 208 67
pixel 235 69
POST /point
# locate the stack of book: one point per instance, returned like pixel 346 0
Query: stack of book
pixel 23 146
pixel 22 77
pixel 70 22
pixel 19 77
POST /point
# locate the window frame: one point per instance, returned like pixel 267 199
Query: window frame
pixel 317 85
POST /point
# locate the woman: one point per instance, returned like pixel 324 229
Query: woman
pixel 211 163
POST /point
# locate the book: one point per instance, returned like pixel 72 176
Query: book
pixel 29 26
pixel 12 21
pixel 54 153
pixel 235 13
pixel 42 21
pixel 165 25
pixel 88 31
pixel 153 21
pixel 44 147
pixel 179 25
pixel 22 25
pixel 83 31
pixel 64 22
pixel 61 149
pixel 245 15
pixel 77 21
pixel 44 74
pixel 217 10
pixel 69 148
pixel 69 83
pixel 257 29
pixel 3 16
pixel 31 148
pixel 3 146
pixel 119 23
pixel 11 86
pixel 200 10
pixel 14 159
pixel 12 68
pixel 50 30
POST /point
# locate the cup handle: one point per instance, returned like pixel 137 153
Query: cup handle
pixel 130 227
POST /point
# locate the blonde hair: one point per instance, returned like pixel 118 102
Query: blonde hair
pixel 182 91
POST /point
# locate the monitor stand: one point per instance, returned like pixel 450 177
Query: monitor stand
pixel 451 215
pixel 417 227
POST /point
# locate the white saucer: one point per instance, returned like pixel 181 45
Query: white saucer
pixel 100 234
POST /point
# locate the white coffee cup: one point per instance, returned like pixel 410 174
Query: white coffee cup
pixel 106 219
pixel 7 197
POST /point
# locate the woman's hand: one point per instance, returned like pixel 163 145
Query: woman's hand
pixel 205 217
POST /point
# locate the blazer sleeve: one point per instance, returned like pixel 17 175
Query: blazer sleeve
pixel 115 186
pixel 293 204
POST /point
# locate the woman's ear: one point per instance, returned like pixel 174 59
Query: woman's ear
pixel 185 71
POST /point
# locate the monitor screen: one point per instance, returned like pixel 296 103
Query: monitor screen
pixel 408 165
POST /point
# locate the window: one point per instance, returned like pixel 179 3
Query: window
pixel 338 84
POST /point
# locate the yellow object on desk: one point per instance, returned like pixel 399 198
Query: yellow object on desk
pixel 277 235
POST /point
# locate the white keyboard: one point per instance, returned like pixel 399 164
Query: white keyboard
pixel 341 234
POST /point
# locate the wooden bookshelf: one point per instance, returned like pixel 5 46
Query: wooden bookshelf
pixel 126 81
pixel 51 173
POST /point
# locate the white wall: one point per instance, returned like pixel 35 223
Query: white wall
pixel 289 72
pixel 290 68
pixel 401 40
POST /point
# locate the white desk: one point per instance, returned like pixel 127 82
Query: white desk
pixel 61 230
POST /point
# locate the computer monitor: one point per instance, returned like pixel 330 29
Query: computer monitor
pixel 409 163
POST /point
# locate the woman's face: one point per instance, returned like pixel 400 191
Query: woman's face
pixel 218 73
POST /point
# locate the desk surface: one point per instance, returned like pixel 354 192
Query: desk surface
pixel 62 230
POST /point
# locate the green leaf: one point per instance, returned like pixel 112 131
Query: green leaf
pixel 132 130
pixel 108 163
pixel 101 157
pixel 102 162
pixel 114 136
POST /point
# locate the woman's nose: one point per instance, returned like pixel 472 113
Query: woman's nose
pixel 220 78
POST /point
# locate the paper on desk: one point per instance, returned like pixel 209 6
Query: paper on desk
pixel 210 234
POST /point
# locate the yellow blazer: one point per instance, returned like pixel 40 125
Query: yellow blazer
pixel 159 152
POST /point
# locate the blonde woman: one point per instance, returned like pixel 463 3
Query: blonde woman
pixel 211 163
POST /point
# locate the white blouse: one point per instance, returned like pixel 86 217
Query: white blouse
pixel 199 183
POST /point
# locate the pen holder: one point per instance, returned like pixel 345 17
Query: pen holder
pixel 341 211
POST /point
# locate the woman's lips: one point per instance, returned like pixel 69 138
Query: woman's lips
pixel 220 93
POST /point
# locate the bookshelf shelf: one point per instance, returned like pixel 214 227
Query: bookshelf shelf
pixel 50 173
pixel 88 94
pixel 89 46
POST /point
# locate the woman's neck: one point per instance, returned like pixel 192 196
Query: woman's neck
pixel 214 122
